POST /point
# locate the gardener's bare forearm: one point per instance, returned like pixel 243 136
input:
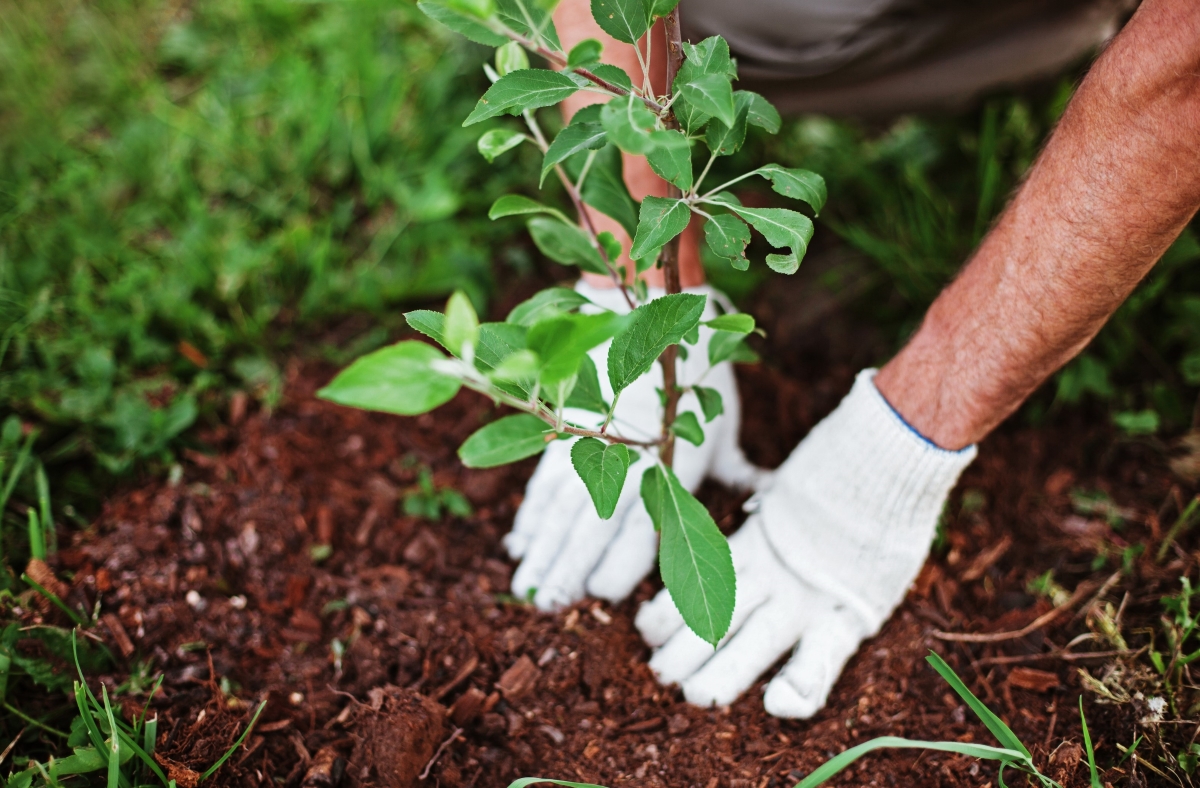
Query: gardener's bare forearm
pixel 1116 184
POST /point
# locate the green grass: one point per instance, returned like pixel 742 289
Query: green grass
pixel 223 177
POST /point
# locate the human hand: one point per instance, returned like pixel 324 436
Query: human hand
pixel 825 559
pixel 566 550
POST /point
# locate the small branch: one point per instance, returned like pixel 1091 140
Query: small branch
pixel 558 60
pixel 580 210
pixel 704 173
pixel 670 253
pixel 996 637
pixel 484 387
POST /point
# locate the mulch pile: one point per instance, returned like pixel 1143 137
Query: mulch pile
pixel 395 657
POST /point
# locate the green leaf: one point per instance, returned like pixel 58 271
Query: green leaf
pixel 498 341
pixel 710 402
pixel 781 228
pixel 710 56
pixel 505 440
pixel 760 112
pixel 605 189
pixel 614 75
pixel 498 141
pixel 1002 732
pixel 739 323
pixel 566 244
pixel 847 757
pixel 531 19
pixel 462 324
pixel 585 54
pixel 654 327
pixel 797 184
pixel 711 93
pixel 462 24
pixel 725 140
pixel 518 367
pixel 518 205
pixel 546 303
pixel 517 91
pixel 727 236
pixel 671 158
pixel 729 346
pixel 480 9
pixel 571 140
pixel 662 7
pixel 394 379
pixel 609 243
pixel 629 124
pixel 687 426
pixel 624 20
pixel 511 57
pixel 603 468
pixel 660 220
pixel 587 394
pixel 691 118
pixel 562 342
pixel 693 557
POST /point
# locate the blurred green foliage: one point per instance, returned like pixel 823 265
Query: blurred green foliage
pixel 184 188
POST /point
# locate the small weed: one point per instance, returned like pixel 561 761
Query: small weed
pixel 104 745
pixel 430 503
pixel 1097 503
pixel 1046 587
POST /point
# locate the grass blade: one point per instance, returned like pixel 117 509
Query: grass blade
pixel 1087 745
pixel 37 538
pixel 89 721
pixel 1002 732
pixel 150 735
pixel 114 752
pixel 18 469
pixel 839 762
pixel 53 597
pixel 45 513
pixel 212 769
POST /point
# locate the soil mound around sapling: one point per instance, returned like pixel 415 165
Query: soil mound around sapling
pixel 285 554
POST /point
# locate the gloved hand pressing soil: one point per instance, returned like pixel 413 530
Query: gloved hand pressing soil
pixel 566 550
pixel 827 556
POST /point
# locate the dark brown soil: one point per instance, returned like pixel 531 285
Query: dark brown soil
pixel 227 562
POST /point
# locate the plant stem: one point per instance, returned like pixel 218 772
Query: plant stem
pixel 551 418
pixel 585 219
pixel 670 253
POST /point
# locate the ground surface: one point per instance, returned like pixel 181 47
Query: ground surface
pixel 420 604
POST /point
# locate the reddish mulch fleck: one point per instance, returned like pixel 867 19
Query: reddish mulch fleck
pixel 406 603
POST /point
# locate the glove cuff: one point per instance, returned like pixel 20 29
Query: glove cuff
pixel 854 509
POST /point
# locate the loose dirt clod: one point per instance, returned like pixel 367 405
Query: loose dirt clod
pixel 397 735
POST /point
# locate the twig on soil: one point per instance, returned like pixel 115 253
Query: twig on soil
pixel 441 748
pixel 1060 655
pixel 1082 591
pixel 465 673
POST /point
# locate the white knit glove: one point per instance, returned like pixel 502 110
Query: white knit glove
pixel 566 550
pixel 831 551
